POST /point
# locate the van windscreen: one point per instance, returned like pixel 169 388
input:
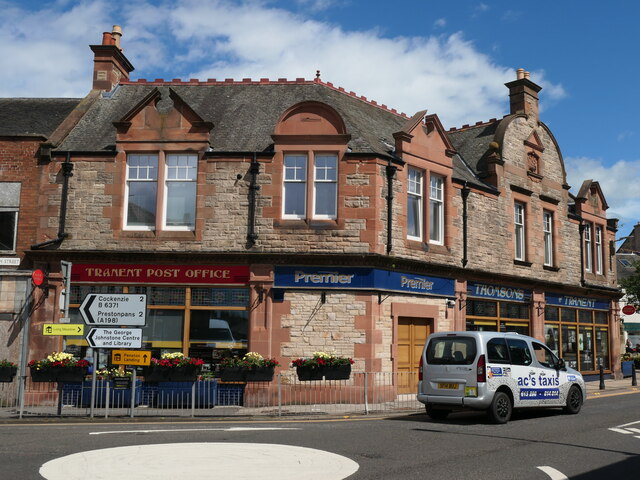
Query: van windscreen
pixel 451 351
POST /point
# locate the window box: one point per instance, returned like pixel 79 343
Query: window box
pixel 7 374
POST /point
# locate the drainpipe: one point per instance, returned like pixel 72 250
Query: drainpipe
pixel 254 170
pixel 67 172
pixel 581 229
pixel 391 170
pixel 465 194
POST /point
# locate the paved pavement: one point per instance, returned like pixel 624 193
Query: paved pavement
pixel 611 387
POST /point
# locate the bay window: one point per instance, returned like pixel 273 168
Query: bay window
pixel 417 210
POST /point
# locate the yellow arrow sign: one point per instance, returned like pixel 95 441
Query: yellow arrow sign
pixel 131 357
pixel 62 329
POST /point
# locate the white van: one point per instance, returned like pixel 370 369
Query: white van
pixel 495 372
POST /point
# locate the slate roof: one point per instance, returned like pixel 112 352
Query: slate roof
pixel 33 117
pixel 244 116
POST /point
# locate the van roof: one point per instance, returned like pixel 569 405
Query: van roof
pixel 482 335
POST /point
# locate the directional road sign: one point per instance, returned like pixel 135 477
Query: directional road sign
pixel 114 309
pixel 131 357
pixel 65 329
pixel 115 338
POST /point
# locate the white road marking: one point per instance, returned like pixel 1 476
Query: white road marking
pixel 228 429
pixel 240 461
pixel 634 430
pixel 620 430
pixel 553 473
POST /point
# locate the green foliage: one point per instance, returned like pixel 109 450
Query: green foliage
pixel 631 286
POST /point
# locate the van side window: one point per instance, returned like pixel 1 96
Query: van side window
pixel 497 350
pixel 519 352
pixel 545 357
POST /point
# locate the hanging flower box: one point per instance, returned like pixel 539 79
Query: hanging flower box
pixel 321 364
pixel 58 367
pixel 337 372
pixel 7 374
pixel 173 367
pixel 309 373
pixel 253 367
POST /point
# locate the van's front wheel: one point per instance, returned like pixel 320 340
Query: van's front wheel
pixel 500 409
pixel 435 413
pixel 574 401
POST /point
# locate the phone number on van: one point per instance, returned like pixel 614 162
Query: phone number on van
pixel 539 393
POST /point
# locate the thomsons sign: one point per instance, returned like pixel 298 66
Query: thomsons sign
pixel 498 292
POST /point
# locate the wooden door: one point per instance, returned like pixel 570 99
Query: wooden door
pixel 412 333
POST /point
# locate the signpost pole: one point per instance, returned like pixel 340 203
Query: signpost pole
pixel 94 376
pixel 133 392
pixel 24 350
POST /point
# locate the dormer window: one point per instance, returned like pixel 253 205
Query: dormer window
pixel 324 192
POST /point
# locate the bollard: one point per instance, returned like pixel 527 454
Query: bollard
pixel 601 377
pixel 634 382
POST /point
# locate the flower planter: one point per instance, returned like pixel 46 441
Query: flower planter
pixel 337 372
pixel 62 374
pixel 7 374
pixel 306 374
pixel 233 374
pixel 171 374
pixel 260 374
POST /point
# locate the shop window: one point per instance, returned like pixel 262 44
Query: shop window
pixel 552 338
pixel 324 194
pixel 519 226
pixel 176 200
pixel 483 315
pixel 547 221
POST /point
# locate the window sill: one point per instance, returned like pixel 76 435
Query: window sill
pixel 550 268
pixel 176 235
pixel 300 224
pixel 522 263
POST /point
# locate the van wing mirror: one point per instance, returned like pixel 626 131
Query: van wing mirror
pixel 561 364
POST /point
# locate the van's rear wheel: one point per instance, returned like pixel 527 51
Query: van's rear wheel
pixel 436 413
pixel 500 409
pixel 574 401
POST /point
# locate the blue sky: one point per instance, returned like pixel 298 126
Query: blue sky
pixel 451 58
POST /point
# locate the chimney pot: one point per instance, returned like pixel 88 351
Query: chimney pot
pixel 526 75
pixel 107 38
pixel 116 34
pixel 520 73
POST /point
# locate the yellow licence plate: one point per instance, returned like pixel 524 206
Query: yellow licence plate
pixel 448 386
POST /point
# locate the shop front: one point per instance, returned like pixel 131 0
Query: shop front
pixel 498 308
pixel 201 311
pixel 577 329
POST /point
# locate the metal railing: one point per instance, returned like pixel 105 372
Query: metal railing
pixel 363 393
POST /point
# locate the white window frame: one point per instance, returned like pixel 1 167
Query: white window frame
pixel 15 212
pixel 415 180
pixel 318 180
pixel 436 209
pixel 588 248
pixel 296 179
pixel 547 222
pixel 599 253
pixel 520 252
pixel 181 170
pixel 128 180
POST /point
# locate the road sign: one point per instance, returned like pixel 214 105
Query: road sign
pixel 628 309
pixel 114 309
pixel 131 357
pixel 65 329
pixel 115 338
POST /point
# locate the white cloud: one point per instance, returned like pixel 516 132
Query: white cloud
pixel 440 23
pixel 224 39
pixel 622 195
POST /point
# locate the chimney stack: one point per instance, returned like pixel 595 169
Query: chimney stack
pixel 109 63
pixel 523 94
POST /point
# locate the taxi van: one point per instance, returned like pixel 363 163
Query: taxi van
pixel 495 372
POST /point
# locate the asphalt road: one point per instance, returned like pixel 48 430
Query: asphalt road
pixel 599 443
